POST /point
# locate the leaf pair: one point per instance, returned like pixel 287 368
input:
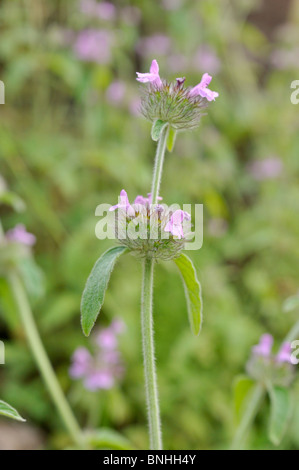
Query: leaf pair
pixel 96 285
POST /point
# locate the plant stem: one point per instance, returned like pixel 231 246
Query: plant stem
pixel 161 147
pixel 42 359
pixel 293 334
pixel 149 356
pixel 248 417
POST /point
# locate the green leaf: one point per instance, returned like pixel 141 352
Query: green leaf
pixel 95 288
pixel 281 408
pixel 192 290
pixel 108 439
pixel 9 411
pixel 157 128
pixel 243 386
pixel 12 200
pixel 171 137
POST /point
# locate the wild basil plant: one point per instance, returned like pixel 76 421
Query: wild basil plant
pixel 171 108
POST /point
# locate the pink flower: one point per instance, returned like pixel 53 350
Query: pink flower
pixel 123 204
pixel 116 92
pixel 285 353
pixel 99 379
pixel 20 235
pixel 268 168
pixel 202 89
pixel 152 77
pixel 106 339
pixel 264 347
pixel 174 225
pixel 81 361
pixel 206 59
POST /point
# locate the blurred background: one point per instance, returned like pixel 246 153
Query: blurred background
pixel 71 137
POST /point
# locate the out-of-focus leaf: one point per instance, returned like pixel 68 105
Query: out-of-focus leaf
pixel 32 276
pixel 242 387
pixel 281 408
pixel 96 285
pixel 11 199
pixel 10 412
pixel 290 304
pixel 192 290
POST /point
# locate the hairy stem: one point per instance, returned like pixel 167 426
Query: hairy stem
pixel 149 356
pixel 159 160
pixel 42 359
pixel 248 417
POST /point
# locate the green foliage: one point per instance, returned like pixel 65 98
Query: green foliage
pixel 157 128
pixel 243 386
pixel 95 288
pixel 10 412
pixel 192 291
pixel 107 439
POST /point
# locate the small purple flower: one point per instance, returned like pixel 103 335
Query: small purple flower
pixel 264 347
pixel 93 45
pixel 269 168
pixel 116 92
pixel 202 89
pixel 152 77
pixel 123 204
pixel 105 11
pixel 174 225
pixel 101 369
pixel 19 234
pixel 285 353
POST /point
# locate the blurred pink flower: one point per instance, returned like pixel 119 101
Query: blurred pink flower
pixel 102 10
pixel 264 347
pixel 104 367
pixel 268 168
pixel 206 59
pixel 156 44
pixel 19 234
pixel 93 45
pixel 123 204
pixel 152 77
pixel 203 90
pixel 285 353
pixel 116 92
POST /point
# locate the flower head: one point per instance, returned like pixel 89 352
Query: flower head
pixel 173 103
pixel 101 369
pixel 19 234
pixel 285 353
pixel 149 230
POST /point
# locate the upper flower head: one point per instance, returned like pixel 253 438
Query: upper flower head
pixel 203 90
pixel 152 77
pixel 264 347
pixel 172 103
pixel 285 353
pixel 143 226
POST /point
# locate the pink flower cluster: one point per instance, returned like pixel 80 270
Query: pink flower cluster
pixel 19 234
pixel 199 90
pixel 93 45
pixel 174 224
pixel 264 349
pixel 104 368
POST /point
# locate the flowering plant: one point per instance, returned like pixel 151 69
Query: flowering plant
pixel 171 108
